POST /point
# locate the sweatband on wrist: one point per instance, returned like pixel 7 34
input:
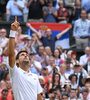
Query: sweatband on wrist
pixel 12 33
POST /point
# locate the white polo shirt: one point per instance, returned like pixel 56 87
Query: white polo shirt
pixel 25 85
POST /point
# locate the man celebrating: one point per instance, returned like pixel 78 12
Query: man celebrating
pixel 25 85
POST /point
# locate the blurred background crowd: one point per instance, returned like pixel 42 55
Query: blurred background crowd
pixel 61 75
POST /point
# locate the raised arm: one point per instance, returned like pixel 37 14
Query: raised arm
pixel 63 32
pixel 34 30
pixel 13 30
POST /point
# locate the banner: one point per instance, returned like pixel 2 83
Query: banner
pixel 56 28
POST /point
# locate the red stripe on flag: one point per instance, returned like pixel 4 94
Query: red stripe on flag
pixel 52 26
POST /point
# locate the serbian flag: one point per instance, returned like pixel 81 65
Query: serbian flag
pixel 56 29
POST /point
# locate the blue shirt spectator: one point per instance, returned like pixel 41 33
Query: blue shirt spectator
pixel 86 5
pixel 81 28
pixel 49 13
pixel 15 8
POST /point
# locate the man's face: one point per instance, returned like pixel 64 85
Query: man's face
pixel 32 57
pixel 64 98
pixel 77 69
pixel 85 94
pixel 41 50
pixel 87 50
pixel 45 71
pixel 52 61
pixel 3 32
pixel 48 32
pixel 83 14
pixel 73 93
pixel 23 58
pixel 34 37
pixel 87 86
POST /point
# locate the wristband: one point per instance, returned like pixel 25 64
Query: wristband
pixel 12 33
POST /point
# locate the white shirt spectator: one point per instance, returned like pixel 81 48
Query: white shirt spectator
pixel 25 85
pixel 63 78
pixel 83 59
pixel 50 68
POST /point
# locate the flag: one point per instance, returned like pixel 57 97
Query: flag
pixel 56 29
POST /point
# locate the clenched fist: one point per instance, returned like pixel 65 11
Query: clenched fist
pixel 15 25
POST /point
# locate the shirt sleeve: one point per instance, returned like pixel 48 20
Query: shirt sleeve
pixel 39 88
pixel 8 5
pixel 12 70
pixel 21 3
pixel 81 61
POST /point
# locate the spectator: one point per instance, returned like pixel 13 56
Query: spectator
pixel 35 10
pixel 86 5
pixel 19 36
pixel 34 43
pixel 84 94
pixel 48 54
pixel 58 61
pixel 49 13
pixel 52 66
pixel 51 94
pixel 81 31
pixel 18 7
pixel 3 8
pixel 35 65
pixel 62 13
pixel 63 75
pixel 77 10
pixel 67 88
pixel 58 94
pixel 69 71
pixel 26 41
pixel 65 96
pixel 48 40
pixel 86 82
pixel 73 95
pixel 41 57
pixel 73 79
pixel 81 73
pixel 85 59
pixel 55 81
pixel 47 79
pixel 3 38
pixel 73 59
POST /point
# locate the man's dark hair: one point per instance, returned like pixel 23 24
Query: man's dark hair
pixel 73 89
pixel 85 90
pixel 17 56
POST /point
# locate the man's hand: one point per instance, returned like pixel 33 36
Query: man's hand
pixel 15 25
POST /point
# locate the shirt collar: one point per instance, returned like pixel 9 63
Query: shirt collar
pixel 25 72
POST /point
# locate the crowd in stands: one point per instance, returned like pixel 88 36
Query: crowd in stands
pixel 61 11
pixel 60 74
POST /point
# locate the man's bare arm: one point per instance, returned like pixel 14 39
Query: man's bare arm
pixel 14 28
pixel 39 97
pixel 63 32
pixel 34 30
